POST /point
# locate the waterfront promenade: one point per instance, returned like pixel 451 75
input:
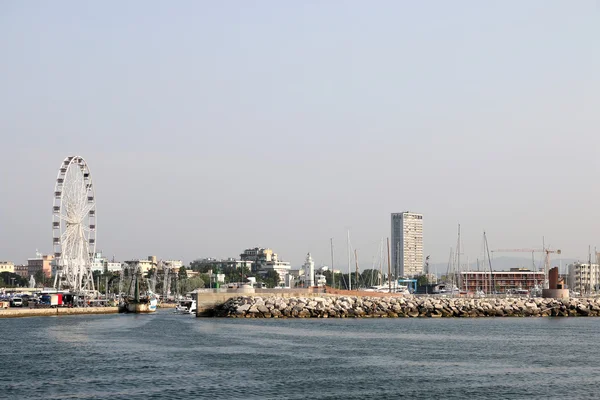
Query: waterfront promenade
pixel 48 312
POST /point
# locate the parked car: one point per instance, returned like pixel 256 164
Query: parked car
pixel 16 302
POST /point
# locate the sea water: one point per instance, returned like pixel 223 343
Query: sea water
pixel 168 356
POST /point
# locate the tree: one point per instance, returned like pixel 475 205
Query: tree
pixel 329 275
pixel 182 273
pixel 207 279
pixel 422 280
pixel 344 281
pixel 370 277
pixel 271 278
pixel 193 283
pixel 233 274
pixel 202 266
pixel 11 279
pixel 41 279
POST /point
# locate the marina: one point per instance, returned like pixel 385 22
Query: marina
pixel 318 200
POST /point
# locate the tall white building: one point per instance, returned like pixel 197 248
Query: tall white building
pixel 583 277
pixel 407 244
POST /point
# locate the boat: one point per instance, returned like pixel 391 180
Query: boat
pixel 385 288
pixel 186 307
pixel 142 306
pixel 139 303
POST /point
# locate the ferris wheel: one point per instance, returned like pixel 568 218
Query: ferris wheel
pixel 74 225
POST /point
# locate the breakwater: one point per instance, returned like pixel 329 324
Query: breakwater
pixel 386 307
pixel 47 312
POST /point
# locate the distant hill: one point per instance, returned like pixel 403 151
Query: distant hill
pixel 505 263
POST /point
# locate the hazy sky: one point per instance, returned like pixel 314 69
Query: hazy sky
pixel 210 127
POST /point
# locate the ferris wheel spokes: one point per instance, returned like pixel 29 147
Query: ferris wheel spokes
pixel 74 225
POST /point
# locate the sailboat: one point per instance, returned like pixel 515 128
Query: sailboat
pixel 140 302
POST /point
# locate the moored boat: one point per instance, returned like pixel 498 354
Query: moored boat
pixel 139 304
pixel 186 307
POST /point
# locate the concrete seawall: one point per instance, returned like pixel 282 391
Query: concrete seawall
pixel 385 307
pixel 47 312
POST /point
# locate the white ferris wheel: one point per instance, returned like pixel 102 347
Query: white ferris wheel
pixel 74 225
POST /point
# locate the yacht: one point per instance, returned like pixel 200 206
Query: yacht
pixel 186 307
pixel 400 289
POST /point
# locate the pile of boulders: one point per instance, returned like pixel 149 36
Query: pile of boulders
pixel 378 307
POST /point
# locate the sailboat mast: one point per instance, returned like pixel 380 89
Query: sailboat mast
pixel 381 258
pixel 487 247
pixel 332 270
pixel 457 271
pixel 349 272
pixel 389 266
pixel 397 261
pixel 356 272
pixel 590 265
pixel 449 267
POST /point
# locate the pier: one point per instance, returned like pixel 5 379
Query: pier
pixel 327 306
pixel 208 300
pixel 50 312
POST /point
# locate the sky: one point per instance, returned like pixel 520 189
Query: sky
pixel 211 127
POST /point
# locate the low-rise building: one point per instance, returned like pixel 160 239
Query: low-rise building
pixel 7 266
pixel 232 262
pixel 258 257
pixel 281 267
pixel 501 281
pixel 263 259
pixel 220 264
pixel 112 266
pixel 102 264
pixel 583 277
pixel 40 263
pixel 142 265
pixel 175 265
pixel 22 270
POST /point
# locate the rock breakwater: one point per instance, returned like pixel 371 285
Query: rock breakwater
pixel 393 307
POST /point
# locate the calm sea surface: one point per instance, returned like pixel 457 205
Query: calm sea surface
pixel 168 356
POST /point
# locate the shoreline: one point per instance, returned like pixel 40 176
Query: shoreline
pixel 17 312
pixel 400 307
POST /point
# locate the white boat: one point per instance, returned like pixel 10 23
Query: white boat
pixel 400 289
pixel 186 307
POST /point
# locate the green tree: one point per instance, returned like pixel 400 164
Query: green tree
pixel 11 279
pixel 182 273
pixel 344 279
pixel 370 277
pixel 202 266
pixel 206 278
pixel 41 279
pixel 422 280
pixel 193 283
pixel 271 278
pixel 233 274
pixel 329 277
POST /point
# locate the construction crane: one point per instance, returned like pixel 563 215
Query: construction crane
pixel 546 260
